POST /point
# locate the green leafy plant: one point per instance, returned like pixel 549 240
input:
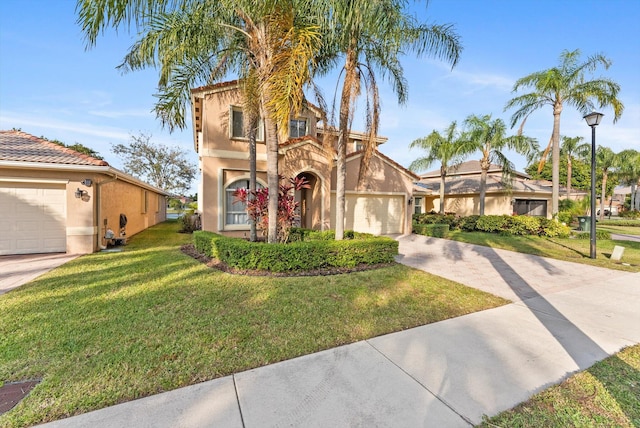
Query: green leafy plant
pixel 297 256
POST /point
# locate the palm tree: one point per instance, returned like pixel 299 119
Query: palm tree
pixel 489 137
pixel 629 171
pixel 372 35
pixel 563 85
pixel 201 42
pixel 606 160
pixel 571 147
pixel 450 149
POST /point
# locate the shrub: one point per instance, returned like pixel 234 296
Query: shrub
pixel 435 230
pixel 436 218
pixel 493 223
pixel 300 255
pixel 630 214
pixel 189 222
pixel 600 235
pixel 552 228
pixel 523 225
pixel 565 217
pixel 624 223
pixel 468 224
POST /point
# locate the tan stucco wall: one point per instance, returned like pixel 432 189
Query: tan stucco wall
pixel 119 197
pixel 217 173
pixel 82 224
pixel 495 204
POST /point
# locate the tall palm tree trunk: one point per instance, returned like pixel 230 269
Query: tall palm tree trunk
pixel 569 173
pixel 273 179
pixel 555 160
pixel 443 174
pixel 483 188
pixel 602 195
pixel 343 139
pixel 253 232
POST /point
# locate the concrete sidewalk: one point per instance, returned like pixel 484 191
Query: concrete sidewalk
pixel 564 318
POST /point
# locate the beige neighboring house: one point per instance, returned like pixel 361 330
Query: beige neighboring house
pixel 382 206
pixel 462 192
pixel 54 199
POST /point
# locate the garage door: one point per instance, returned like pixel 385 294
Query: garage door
pixel 33 218
pixel 375 214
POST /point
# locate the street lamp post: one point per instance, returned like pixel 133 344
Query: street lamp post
pixel 593 119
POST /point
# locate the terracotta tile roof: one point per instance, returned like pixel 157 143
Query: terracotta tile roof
pixel 469 167
pixel 471 184
pixel 19 146
pixel 388 159
pixel 215 86
pixel 292 141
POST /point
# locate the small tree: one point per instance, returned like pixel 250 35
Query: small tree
pixel 164 167
pixel 257 206
pixel 80 148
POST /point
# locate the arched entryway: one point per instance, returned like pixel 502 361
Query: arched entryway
pixel 310 202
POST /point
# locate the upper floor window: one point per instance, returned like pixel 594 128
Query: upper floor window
pixel 237 128
pixel 297 128
pixel 359 146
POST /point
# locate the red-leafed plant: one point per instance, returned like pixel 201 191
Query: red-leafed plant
pixel 287 205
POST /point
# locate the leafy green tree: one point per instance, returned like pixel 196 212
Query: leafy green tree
pixel 489 137
pixel 371 36
pixel 571 148
pixel 580 172
pixel 629 172
pixel 565 84
pixel 449 149
pixel 200 42
pixel 80 148
pixel 164 167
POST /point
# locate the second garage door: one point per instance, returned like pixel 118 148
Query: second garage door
pixel 377 214
pixel 33 218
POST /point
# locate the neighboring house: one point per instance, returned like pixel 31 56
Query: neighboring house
pixel 55 199
pixel 521 196
pixel 381 206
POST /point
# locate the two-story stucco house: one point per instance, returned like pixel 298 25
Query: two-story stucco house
pixel 382 205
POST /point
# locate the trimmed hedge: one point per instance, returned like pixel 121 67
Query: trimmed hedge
pixel 297 256
pixel 600 235
pixel 503 224
pixel 624 223
pixel 435 230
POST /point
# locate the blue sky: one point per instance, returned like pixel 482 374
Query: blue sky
pixel 51 86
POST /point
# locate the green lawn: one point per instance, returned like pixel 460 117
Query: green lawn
pixel 625 230
pixel 569 249
pixel 606 395
pixel 111 327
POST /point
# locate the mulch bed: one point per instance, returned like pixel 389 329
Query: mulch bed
pixel 12 393
pixel 190 250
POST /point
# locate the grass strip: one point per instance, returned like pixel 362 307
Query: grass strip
pixel 567 249
pixel 605 395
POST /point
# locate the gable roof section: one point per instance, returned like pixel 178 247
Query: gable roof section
pixel 18 146
pixel 25 151
pixel 469 168
pixel 387 160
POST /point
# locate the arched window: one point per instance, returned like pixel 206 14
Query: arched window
pixel 236 211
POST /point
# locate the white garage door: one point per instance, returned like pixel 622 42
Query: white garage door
pixel 33 218
pixel 375 214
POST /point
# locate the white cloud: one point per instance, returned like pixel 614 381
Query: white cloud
pixel 116 114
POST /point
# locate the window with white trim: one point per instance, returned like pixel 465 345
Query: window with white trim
pixel 237 129
pixel 297 128
pixel 236 211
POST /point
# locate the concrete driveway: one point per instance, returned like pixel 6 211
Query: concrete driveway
pixel 16 270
